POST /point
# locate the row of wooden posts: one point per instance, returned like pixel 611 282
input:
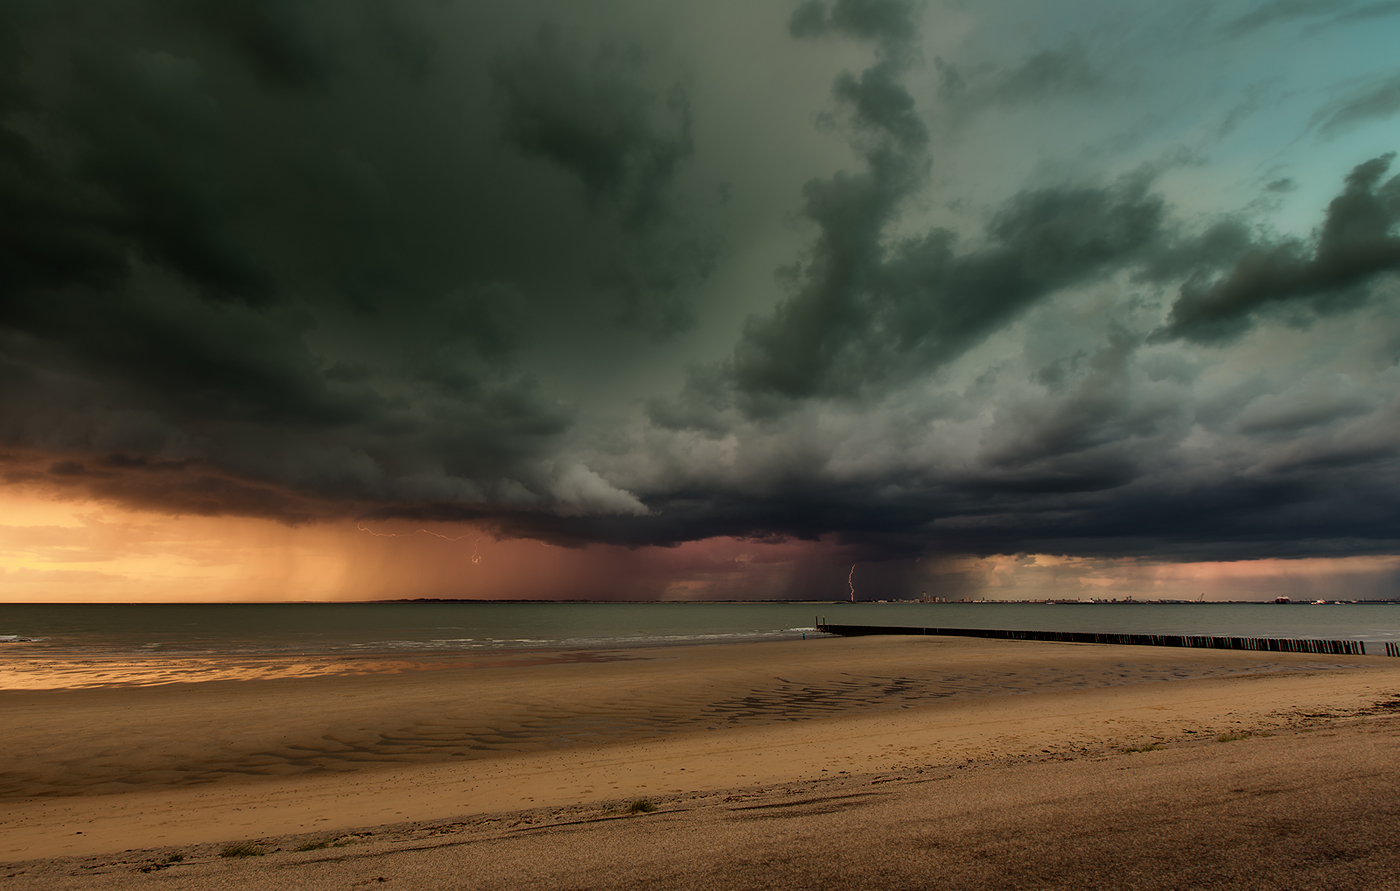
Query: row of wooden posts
pixel 1266 644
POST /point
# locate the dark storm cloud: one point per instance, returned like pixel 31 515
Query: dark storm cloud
pixel 1367 11
pixel 1066 74
pixel 57 227
pixel 1089 463
pixel 126 138
pixel 1109 500
pixel 304 44
pixel 603 116
pixel 305 259
pixel 863 316
pixel 1088 460
pixel 880 102
pixel 1216 248
pixel 1355 244
pixel 166 486
pixel 651 282
pixel 1095 469
pixel 1380 100
pixel 792 355
pixel 1278 11
pixel 280 38
pixel 1323 13
pixel 594 116
pixel 868 312
pixel 1048 74
pixel 213 253
pixel 189 357
pixel 890 24
pixel 489 319
pixel 155 143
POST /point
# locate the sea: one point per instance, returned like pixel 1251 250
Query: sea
pixel 405 628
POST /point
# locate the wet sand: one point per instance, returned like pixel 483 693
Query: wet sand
pixel 479 761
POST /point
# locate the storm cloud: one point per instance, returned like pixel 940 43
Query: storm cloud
pixel 903 279
pixel 594 118
pixel 1354 246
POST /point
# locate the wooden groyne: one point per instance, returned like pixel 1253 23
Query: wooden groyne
pixel 1264 644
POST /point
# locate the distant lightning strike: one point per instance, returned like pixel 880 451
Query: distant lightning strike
pixel 407 534
pixel 476 557
pixel 850 580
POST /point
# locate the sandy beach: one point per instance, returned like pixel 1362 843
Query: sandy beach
pixel 989 762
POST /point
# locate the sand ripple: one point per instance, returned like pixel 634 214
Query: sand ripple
pixel 458 718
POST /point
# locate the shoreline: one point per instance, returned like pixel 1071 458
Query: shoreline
pixel 411 630
pixel 224 761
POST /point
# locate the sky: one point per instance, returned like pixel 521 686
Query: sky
pixel 356 299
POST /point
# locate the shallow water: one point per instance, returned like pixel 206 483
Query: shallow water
pixel 349 629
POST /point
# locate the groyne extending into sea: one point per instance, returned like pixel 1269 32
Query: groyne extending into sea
pixel 1266 644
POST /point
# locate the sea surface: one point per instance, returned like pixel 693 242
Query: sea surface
pixel 349 629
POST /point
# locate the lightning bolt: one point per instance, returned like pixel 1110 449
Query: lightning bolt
pixel 476 542
pixel 850 580
pixel 361 527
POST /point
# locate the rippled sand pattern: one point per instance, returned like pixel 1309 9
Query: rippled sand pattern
pixel 262 738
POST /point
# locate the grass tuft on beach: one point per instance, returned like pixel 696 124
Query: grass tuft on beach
pixel 242 849
pixel 641 806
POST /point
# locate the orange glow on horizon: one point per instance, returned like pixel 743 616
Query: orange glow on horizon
pixel 86 551
pixel 83 551
pixel 1042 576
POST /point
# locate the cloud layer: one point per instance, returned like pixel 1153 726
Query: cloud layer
pixel 883 274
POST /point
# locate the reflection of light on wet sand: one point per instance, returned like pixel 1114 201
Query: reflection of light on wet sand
pixel 73 674
pixel 154 726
